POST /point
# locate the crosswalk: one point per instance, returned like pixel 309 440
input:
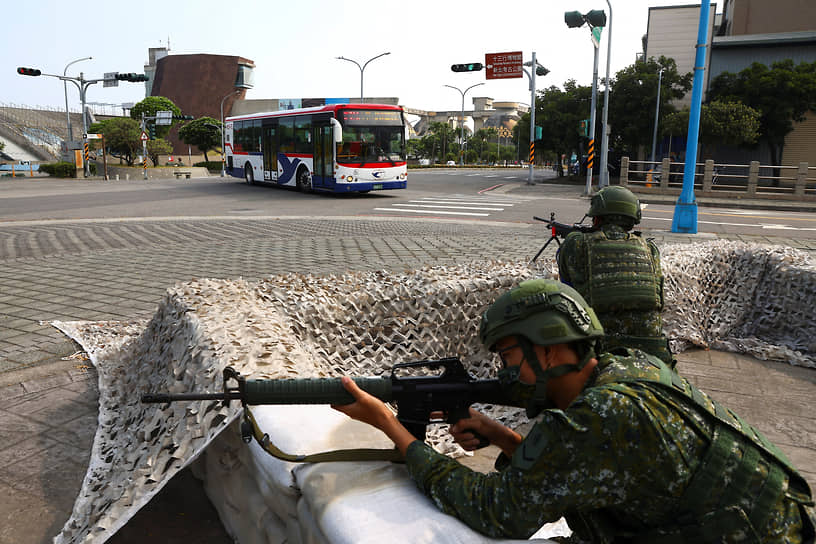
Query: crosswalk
pixel 455 205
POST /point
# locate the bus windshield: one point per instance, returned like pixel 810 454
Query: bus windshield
pixel 371 144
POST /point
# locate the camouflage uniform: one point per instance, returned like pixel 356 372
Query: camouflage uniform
pixel 610 267
pixel 627 461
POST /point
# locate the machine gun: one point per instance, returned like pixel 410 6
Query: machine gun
pixel 450 390
pixel 559 230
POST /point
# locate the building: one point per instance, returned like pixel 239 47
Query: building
pixel 746 31
pixel 198 84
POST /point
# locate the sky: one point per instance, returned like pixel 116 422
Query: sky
pixel 294 45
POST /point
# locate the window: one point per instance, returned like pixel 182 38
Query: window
pixel 303 134
pixel 287 134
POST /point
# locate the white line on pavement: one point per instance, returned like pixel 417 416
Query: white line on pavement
pixel 449 207
pixel 429 211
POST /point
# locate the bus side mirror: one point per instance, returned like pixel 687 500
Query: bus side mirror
pixel 338 131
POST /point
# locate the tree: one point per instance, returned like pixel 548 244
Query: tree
pixel 633 92
pixel 204 133
pixel 559 113
pixel 121 137
pixel 157 147
pixel 149 106
pixel 727 123
pixel 782 94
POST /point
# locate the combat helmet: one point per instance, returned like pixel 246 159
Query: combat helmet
pixel 618 201
pixel 544 311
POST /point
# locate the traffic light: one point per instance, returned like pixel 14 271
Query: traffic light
pixel 28 71
pixel 574 19
pixel 584 127
pixel 131 76
pixel 182 117
pixel 596 17
pixel 472 67
pixel 151 130
pixel 541 71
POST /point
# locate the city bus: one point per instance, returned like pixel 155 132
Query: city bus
pixel 339 148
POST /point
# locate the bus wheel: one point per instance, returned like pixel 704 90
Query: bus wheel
pixel 248 175
pixel 304 180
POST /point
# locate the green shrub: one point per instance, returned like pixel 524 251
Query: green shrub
pixel 60 169
pixel 214 166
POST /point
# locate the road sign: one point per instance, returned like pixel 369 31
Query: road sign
pixel 110 80
pixel 93 136
pixel 596 36
pixel 144 137
pixel 503 65
pixel 164 117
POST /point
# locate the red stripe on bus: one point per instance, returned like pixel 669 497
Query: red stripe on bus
pixel 371 164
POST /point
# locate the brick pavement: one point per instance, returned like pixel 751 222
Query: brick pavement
pixel 117 270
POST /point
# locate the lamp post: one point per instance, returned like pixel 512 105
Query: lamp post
pixel 65 90
pixel 603 178
pixel 362 68
pixel 657 116
pixel 223 158
pixel 596 20
pixel 535 69
pixel 462 124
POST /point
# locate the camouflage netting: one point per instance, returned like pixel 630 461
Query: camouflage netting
pixel 744 298
pixel 733 296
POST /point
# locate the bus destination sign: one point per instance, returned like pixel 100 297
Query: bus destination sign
pixel 374 117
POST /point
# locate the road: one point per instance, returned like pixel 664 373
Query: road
pixel 475 194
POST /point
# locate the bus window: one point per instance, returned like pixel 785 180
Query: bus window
pixel 286 127
pixel 303 134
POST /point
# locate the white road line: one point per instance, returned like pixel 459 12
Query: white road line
pixel 434 212
pixel 494 203
pixel 449 207
pixel 752 225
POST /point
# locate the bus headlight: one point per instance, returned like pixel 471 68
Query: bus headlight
pixel 349 179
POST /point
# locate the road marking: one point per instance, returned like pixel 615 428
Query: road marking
pixel 752 225
pixel 449 207
pixel 492 202
pixel 435 212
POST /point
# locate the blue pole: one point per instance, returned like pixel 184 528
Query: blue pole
pixel 685 212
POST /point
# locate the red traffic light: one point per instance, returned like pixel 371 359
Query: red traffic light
pixel 28 71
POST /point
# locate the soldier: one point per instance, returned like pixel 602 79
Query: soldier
pixel 619 274
pixel 623 447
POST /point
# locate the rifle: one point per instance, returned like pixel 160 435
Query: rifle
pixel 451 391
pixel 559 230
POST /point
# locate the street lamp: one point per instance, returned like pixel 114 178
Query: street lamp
pixel 65 90
pixel 541 71
pixel 595 19
pixel 603 179
pixel 362 68
pixel 223 158
pixel 657 116
pixel 462 144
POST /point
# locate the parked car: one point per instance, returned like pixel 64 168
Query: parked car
pixel 450 163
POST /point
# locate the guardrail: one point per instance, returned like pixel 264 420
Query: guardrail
pixel 722 180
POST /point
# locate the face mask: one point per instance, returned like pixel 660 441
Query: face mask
pixel 516 392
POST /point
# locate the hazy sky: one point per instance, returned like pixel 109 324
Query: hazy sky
pixel 294 45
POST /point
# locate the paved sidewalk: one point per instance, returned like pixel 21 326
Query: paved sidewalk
pixel 120 270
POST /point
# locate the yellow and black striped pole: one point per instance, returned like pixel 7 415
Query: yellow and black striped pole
pixel 532 152
pixel 86 155
pixel 591 154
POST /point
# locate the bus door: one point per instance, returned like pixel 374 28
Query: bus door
pixel 270 152
pixel 323 156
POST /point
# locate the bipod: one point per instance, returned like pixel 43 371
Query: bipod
pixel 552 237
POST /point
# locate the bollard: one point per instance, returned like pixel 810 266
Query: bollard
pixel 665 175
pixel 753 178
pixel 708 175
pixel 127 177
pixel 117 177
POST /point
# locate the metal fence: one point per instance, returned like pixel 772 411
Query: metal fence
pixel 754 180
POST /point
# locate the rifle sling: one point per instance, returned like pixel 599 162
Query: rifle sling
pixel 358 454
